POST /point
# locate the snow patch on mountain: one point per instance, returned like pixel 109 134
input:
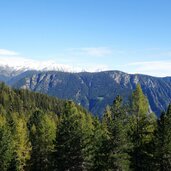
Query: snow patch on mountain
pixel 24 64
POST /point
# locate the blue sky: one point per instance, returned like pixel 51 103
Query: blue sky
pixel 129 35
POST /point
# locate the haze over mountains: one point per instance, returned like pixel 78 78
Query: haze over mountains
pixel 91 90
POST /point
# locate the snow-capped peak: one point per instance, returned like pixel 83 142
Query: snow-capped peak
pixel 24 64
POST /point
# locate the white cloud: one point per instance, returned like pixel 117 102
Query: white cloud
pixel 154 68
pixel 92 51
pixel 5 52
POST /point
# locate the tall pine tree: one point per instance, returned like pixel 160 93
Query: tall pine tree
pixel 163 141
pixel 72 140
pixel 42 133
pixel 142 126
pixel 22 145
pixel 116 121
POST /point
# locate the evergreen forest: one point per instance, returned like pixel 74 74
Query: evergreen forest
pixel 42 133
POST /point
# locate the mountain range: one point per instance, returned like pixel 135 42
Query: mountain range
pixel 91 90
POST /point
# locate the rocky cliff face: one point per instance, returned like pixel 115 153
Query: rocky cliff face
pixel 95 90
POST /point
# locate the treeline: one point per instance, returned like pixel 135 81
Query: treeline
pixel 41 133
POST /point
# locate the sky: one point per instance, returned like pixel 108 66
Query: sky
pixel 133 36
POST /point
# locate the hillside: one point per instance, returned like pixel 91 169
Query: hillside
pixel 20 100
pixel 42 133
pixel 28 128
pixel 94 90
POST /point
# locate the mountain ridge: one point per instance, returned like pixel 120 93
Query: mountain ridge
pixel 16 64
pixel 92 90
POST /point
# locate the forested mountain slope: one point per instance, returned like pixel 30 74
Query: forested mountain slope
pixel 28 128
pixel 42 133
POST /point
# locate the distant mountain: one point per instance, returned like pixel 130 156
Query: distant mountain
pixel 6 72
pixel 23 64
pixel 91 90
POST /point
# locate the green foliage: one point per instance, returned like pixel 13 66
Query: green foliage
pixel 163 141
pixel 115 119
pixel 100 146
pixel 73 138
pixel 6 144
pixel 22 146
pixel 140 104
pixel 142 127
pixel 42 133
pixel 28 123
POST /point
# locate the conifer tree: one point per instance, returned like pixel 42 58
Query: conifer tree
pixel 120 144
pixel 116 121
pixel 71 142
pixel 22 146
pixel 163 141
pixel 142 126
pixel 100 145
pixel 42 133
pixel 6 144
